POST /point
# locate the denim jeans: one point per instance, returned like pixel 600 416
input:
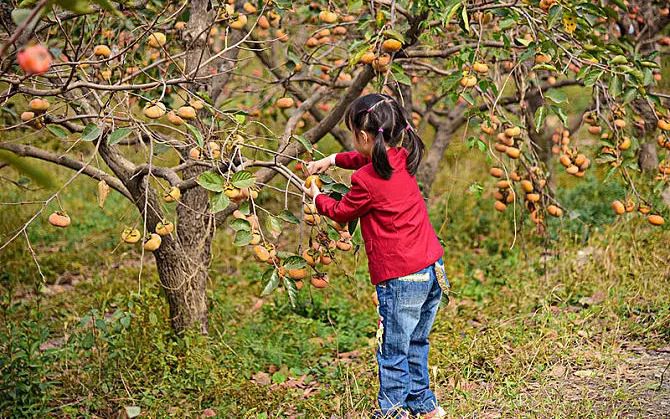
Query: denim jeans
pixel 407 309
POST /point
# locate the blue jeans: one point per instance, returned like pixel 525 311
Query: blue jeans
pixel 407 309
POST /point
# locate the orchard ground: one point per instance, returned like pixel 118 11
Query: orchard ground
pixel 573 325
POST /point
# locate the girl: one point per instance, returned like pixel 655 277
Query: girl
pixel 404 254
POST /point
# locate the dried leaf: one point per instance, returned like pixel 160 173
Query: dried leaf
pixel 261 378
pixel 103 192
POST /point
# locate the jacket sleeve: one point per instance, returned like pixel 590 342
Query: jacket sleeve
pixel 352 160
pixel 353 205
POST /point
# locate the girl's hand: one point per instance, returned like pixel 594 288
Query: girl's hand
pixel 312 191
pixel 319 166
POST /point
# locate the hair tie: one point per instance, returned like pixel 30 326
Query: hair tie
pixel 409 127
pixel 370 109
pixel 380 130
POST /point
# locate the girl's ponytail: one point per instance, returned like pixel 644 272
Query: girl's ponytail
pixel 380 161
pixel 415 149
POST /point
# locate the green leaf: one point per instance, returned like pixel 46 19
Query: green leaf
pixel 560 113
pixel 197 135
pixel 615 86
pixel 547 67
pixel 592 77
pixel 390 33
pixel 218 202
pixel 118 135
pixel 326 178
pixel 621 4
pixel 273 225
pixel 450 82
pixel 242 238
pixel 294 262
pixel 240 118
pixel 523 41
pixel 278 377
pixel 649 64
pixel 288 216
pixel 556 96
pixel 340 188
pixel 20 15
pixel 91 132
pixel 77 6
pixel 507 23
pixel 555 14
pixel 291 290
pixel 58 131
pixel 211 181
pixel 467 96
pixel 245 208
pixel 239 224
pixel 243 179
pixel 304 142
pixel 272 284
pixel 540 115
pixel 399 74
pixel 629 95
pixel 333 234
pixel 452 12
pixel 464 15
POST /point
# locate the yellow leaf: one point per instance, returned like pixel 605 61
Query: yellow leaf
pixel 569 24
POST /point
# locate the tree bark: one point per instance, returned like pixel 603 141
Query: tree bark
pixel 431 162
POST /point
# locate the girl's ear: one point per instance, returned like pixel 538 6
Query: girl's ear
pixel 365 136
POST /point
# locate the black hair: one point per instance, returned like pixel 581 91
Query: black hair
pixel 382 116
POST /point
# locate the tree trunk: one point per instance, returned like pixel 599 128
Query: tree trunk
pixel 183 276
pixel 431 162
pixel 183 267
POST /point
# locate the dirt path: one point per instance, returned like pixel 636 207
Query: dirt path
pixel 637 387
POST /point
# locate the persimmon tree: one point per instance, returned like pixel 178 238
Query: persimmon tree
pixel 190 110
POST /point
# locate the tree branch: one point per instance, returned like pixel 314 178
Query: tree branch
pixel 70 163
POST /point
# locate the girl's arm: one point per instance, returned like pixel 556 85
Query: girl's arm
pixel 353 205
pixel 351 160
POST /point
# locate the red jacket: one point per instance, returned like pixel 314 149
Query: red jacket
pixel 399 238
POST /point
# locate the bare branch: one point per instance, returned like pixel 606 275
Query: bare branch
pixel 70 163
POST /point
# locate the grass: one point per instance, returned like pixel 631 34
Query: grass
pixel 516 313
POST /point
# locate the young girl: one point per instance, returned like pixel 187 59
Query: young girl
pixel 404 254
